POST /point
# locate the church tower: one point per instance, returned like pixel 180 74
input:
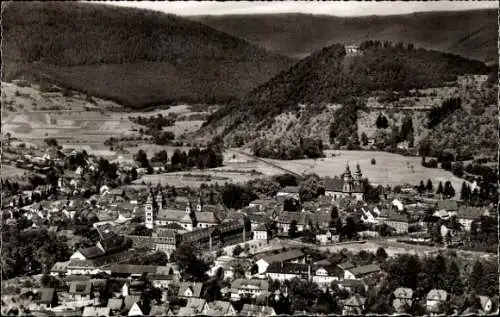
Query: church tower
pixel 160 202
pixel 347 181
pixel 358 176
pixel 199 204
pixel 149 212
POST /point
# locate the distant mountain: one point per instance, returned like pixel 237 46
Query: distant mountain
pixel 135 57
pixel 472 34
pixel 330 77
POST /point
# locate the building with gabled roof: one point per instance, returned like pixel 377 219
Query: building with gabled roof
pixel 359 272
pixel 403 299
pixel 294 255
pixel 354 305
pixel 92 311
pixel 435 301
pixel 256 310
pixel 252 288
pixel 188 289
pixel 194 306
pixel 219 308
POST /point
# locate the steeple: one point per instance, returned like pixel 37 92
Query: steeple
pixel 199 203
pixel 357 175
pixel 148 212
pixel 159 199
pixel 347 180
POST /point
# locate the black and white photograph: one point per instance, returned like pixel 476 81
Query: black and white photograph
pixel 249 158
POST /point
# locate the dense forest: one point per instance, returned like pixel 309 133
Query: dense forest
pixel 329 76
pixel 471 33
pixel 136 57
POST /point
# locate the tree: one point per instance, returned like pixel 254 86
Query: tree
pixel 310 188
pixel 475 277
pixel 449 191
pixel 382 122
pixel 194 268
pixel 381 254
pixel 237 250
pixel 429 187
pixel 421 187
pixel 292 231
pixel 465 192
pixel 364 139
pixel 373 161
pixel 142 159
pixel 141 230
pixel 161 157
pixel 51 142
pixel 334 212
pixel 440 190
pixel 454 280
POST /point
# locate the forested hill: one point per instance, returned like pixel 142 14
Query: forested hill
pixel 471 34
pixel 330 76
pixel 136 57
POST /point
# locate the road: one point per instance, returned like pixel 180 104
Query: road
pixel 268 163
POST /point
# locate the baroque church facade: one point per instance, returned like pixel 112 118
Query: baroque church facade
pixel 349 185
pixel 158 214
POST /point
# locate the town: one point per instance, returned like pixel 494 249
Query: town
pixel 75 242
pixel 270 159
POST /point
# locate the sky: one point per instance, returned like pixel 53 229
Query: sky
pixel 337 8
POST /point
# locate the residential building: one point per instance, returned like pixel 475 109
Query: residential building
pixel 194 307
pixel 466 215
pixel 42 297
pixel 348 186
pixel 354 305
pixel 256 311
pixel 248 288
pixel 92 311
pixel 399 221
pixel 359 272
pixel 326 274
pixel 287 271
pixel 219 308
pixel 289 192
pixel 295 255
pixel 188 290
pixel 135 310
pixel 403 300
pixel 260 233
pixel 436 298
pixel 115 305
pixel 80 290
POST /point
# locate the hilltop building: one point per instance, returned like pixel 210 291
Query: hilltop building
pixel 351 50
pixel 348 185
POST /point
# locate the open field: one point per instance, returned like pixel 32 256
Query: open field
pixel 32 115
pixel 8 171
pixel 195 179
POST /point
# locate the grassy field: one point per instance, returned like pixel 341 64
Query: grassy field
pixel 8 171
pixel 195 179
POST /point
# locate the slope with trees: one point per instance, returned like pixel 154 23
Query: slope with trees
pixel 130 55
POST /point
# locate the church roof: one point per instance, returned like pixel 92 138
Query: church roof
pixel 206 217
pixel 171 214
pixel 336 185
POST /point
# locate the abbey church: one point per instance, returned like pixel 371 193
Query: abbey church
pixel 348 186
pixel 158 214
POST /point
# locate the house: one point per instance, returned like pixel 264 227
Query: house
pixel 44 297
pixel 289 192
pixel 324 237
pixel 129 301
pixel 360 272
pixel 399 221
pixel 286 271
pixel 135 310
pixel 261 204
pixel 354 305
pixel 188 290
pixel 326 274
pixel 161 310
pixel 348 186
pixel 80 290
pixel 257 311
pixel 286 218
pixel 352 285
pixel 219 308
pixel 82 267
pixel 248 288
pixel 260 233
pixel 403 300
pixel 466 215
pixel 352 49
pixel 115 305
pixel 59 268
pixel 92 311
pixel 194 307
pixel 295 255
pixel 345 266
pixel 436 298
